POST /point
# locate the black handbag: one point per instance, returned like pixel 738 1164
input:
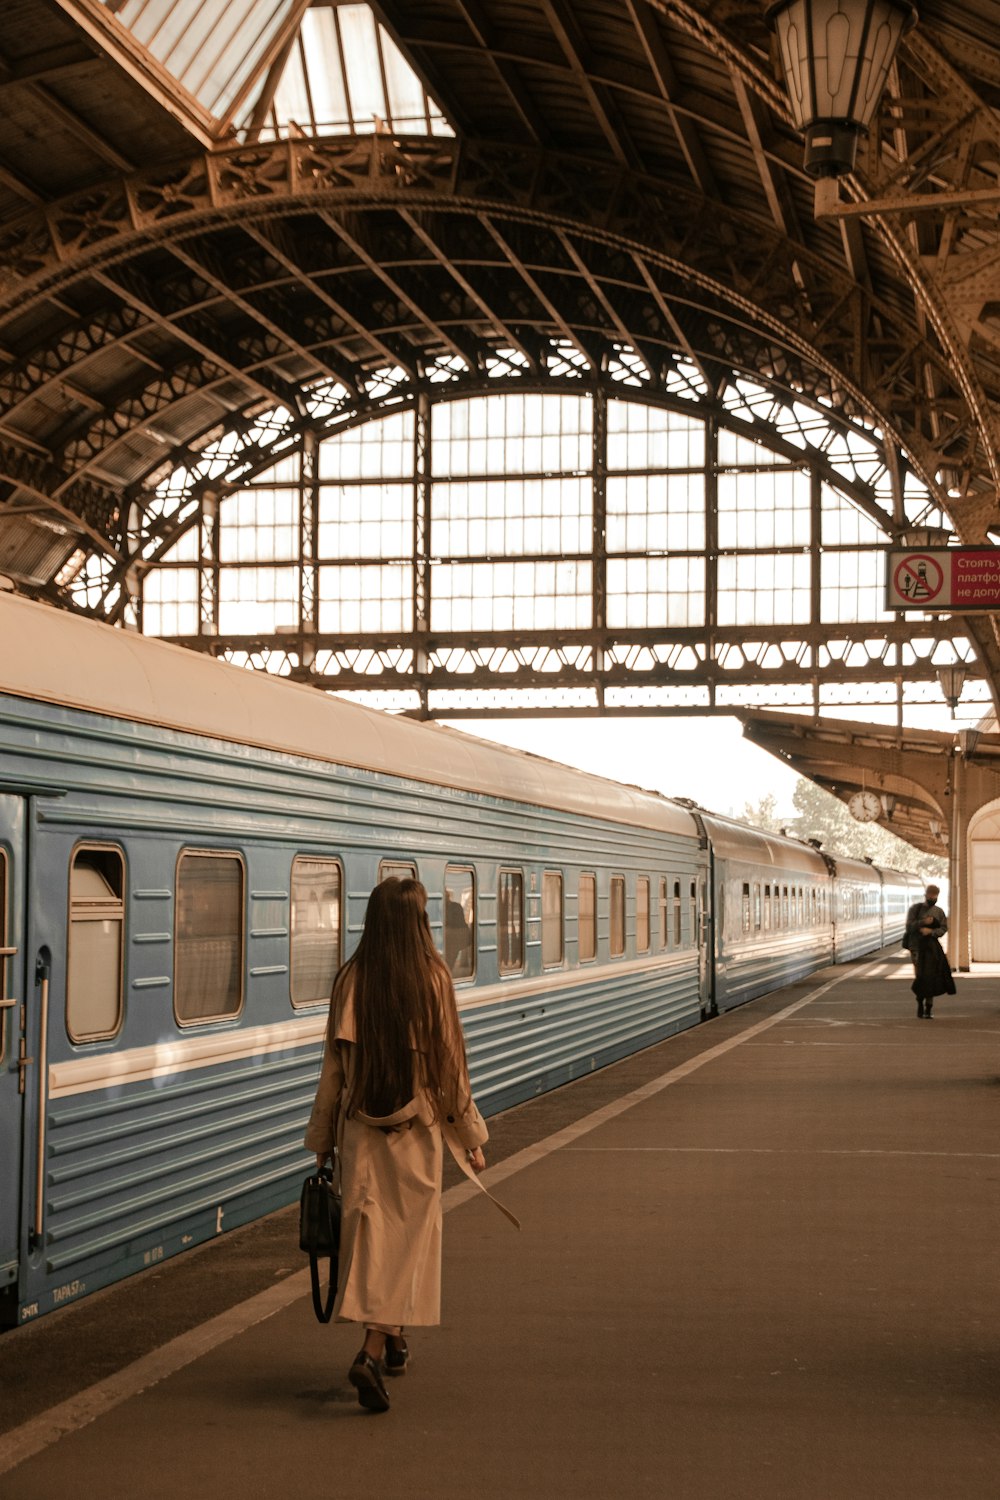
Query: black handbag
pixel 319 1234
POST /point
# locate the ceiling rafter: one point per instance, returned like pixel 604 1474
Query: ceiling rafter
pixel 275 242
pixel 206 264
pixel 559 323
pixel 393 284
pixel 506 71
pixel 77 126
pixel 448 264
pixel 128 284
pixel 567 33
pixel 687 134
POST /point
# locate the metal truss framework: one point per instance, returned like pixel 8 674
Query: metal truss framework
pixel 727 658
pixel 318 279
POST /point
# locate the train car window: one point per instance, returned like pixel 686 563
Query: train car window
pixel 802 906
pixel 315 929
pixel 4 943
pixel 552 919
pixel 677 913
pixel 510 922
pixel 209 936
pixel 587 918
pixel 396 869
pixel 785 921
pixel 693 909
pixel 767 908
pixel 813 905
pixel 94 987
pixel 642 915
pixel 663 912
pixel 617 916
pixel 757 912
pixel 745 907
pixel 460 921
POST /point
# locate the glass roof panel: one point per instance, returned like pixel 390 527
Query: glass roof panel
pixel 346 74
pixel 342 72
pixel 214 48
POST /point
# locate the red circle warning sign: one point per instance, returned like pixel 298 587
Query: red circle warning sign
pixel 918 578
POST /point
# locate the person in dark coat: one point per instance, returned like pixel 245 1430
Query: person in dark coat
pixel 926 924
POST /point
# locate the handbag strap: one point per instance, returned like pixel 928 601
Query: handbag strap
pixel 323 1311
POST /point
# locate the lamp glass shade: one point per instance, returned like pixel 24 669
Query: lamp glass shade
pixel 836 56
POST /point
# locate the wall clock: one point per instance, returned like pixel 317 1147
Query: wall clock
pixel 865 806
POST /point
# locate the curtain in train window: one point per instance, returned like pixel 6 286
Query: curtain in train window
pixel 664 911
pixel 460 921
pixel 208 954
pixel 96 937
pixel 510 921
pixel 617 916
pixel 587 918
pixel 677 913
pixel 315 929
pixel 396 869
pixel 552 919
pixel 642 915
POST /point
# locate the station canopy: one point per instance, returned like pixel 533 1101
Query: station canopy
pixel 234 234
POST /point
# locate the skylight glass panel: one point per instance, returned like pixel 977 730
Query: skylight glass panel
pixel 362 63
pixel 346 75
pixel 343 73
pixel 327 86
pixel 212 49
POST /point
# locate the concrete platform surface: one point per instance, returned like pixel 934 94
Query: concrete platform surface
pixel 758 1261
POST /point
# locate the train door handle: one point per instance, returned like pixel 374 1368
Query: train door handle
pixel 8 1004
pixel 23 1062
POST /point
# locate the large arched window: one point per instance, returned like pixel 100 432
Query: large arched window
pixel 591 544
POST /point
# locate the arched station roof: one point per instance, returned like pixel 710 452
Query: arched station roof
pixel 604 181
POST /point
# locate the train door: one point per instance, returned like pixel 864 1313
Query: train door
pixel 13 1062
pixel 706 983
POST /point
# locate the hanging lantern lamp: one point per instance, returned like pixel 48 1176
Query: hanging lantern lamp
pixel 836 56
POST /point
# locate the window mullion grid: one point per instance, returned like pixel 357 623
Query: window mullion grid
pixel 599 558
pixel 422 485
pixel 815 576
pixel 711 550
pixel 208 565
pixel 308 560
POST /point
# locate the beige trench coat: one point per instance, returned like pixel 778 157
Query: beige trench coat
pixel 390 1182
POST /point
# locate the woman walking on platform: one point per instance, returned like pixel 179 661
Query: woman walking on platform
pixel 393 1090
pixel 926 924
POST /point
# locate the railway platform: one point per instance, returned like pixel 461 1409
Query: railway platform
pixel 757 1260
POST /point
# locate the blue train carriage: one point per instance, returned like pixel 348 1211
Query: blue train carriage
pixel 186 850
pixel 857 909
pixel 772 902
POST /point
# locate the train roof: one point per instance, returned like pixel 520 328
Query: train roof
pixel 53 656
pixel 732 840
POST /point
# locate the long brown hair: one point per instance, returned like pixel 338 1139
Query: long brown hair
pixel 404 1002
